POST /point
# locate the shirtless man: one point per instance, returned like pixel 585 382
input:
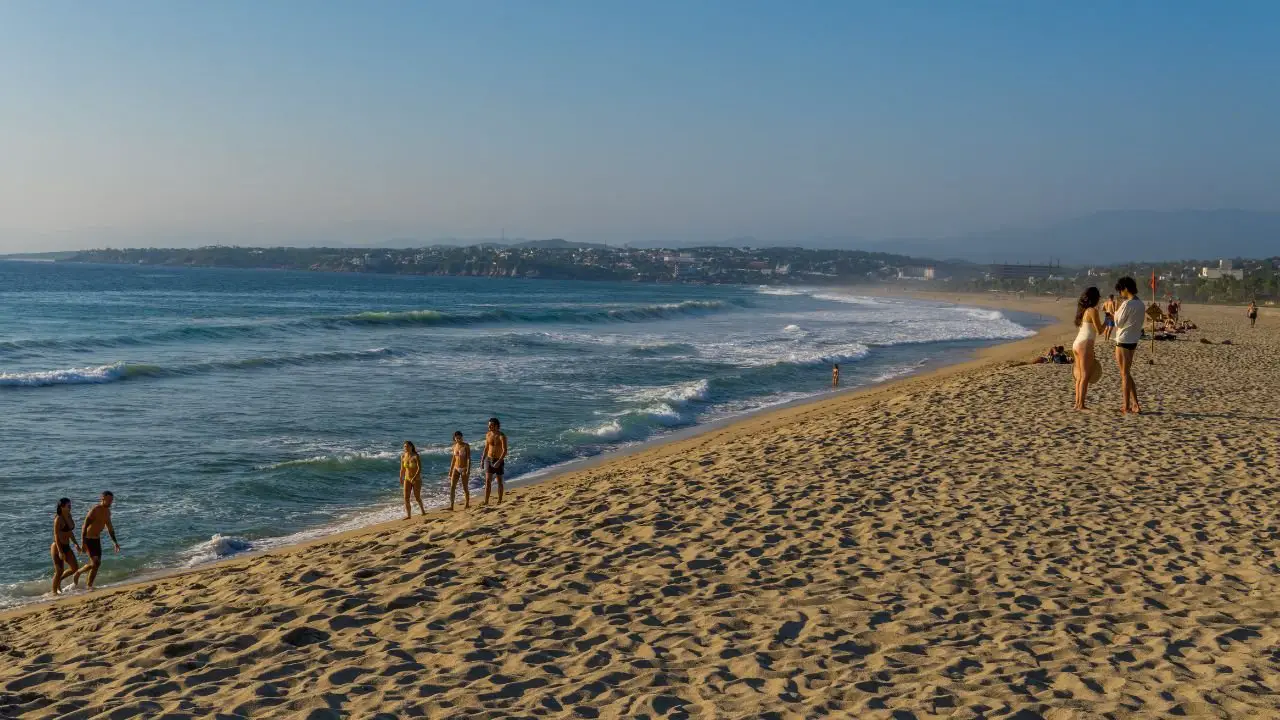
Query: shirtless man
pixel 835 375
pixel 99 517
pixel 495 459
pixel 1109 316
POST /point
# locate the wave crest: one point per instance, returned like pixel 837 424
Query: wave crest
pixel 121 371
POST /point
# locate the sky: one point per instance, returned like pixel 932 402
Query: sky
pixel 151 122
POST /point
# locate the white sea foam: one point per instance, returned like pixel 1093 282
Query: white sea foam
pixel 341 457
pixel 793 329
pixel 216 548
pixel 70 376
pixel 610 430
pixel 679 394
pixel 663 413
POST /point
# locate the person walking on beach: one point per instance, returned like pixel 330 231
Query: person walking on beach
pixel 99 517
pixel 460 470
pixel 835 375
pixel 494 460
pixel 64 536
pixel 1129 318
pixel 1253 313
pixel 411 477
pixel 1109 316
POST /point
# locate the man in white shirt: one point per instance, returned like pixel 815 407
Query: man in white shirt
pixel 1129 318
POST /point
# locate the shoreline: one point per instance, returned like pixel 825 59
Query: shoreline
pixel 998 352
pixel 960 543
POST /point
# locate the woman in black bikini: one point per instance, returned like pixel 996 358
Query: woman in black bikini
pixel 64 536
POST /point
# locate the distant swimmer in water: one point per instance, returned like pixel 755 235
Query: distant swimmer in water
pixel 835 375
pixel 99 517
pixel 494 462
pixel 411 477
pixel 64 536
pixel 460 470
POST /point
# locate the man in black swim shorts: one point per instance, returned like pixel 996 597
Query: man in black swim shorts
pixel 99 517
pixel 1129 318
pixel 494 462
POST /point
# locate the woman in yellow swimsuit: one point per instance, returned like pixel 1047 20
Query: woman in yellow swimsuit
pixel 460 470
pixel 411 477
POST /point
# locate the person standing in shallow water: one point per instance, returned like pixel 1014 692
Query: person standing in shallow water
pixel 460 471
pixel 835 375
pixel 494 461
pixel 411 478
pixel 99 518
pixel 64 536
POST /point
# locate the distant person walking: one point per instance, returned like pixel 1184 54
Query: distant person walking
pixel 494 460
pixel 98 519
pixel 64 536
pixel 835 375
pixel 1086 368
pixel 1109 316
pixel 460 470
pixel 1253 313
pixel 1129 318
pixel 411 477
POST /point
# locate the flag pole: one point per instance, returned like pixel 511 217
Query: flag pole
pixel 1156 304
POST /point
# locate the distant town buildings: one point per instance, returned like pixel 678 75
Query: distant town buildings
pixel 916 272
pixel 1223 270
pixel 1022 272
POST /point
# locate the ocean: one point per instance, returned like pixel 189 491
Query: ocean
pixel 238 410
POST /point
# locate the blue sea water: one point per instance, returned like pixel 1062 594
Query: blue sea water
pixel 231 410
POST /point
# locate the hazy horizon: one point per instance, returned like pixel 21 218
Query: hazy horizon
pixel 151 124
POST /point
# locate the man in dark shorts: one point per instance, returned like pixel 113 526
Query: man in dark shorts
pixel 1129 318
pixel 494 460
pixel 99 517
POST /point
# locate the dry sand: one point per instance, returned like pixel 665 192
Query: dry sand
pixel 955 545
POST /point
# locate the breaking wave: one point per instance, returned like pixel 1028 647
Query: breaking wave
pixel 121 371
pixel 390 318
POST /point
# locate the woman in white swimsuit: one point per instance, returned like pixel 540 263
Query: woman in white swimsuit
pixel 1086 367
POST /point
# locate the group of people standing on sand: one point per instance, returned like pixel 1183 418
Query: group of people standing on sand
pixel 90 542
pixel 1120 320
pixel 493 463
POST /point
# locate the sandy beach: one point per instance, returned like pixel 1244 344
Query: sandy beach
pixel 958 544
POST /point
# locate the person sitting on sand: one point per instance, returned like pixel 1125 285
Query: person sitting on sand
pixel 494 460
pixel 99 517
pixel 1252 313
pixel 460 470
pixel 1086 368
pixel 411 477
pixel 64 536
pixel 1129 318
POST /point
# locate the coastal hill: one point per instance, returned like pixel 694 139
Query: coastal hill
pixel 1101 238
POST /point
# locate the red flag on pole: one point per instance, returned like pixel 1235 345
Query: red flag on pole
pixel 1153 283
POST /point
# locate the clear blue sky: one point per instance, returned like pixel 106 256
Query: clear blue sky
pixel 307 122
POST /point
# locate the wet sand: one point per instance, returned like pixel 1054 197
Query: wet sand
pixel 956 544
